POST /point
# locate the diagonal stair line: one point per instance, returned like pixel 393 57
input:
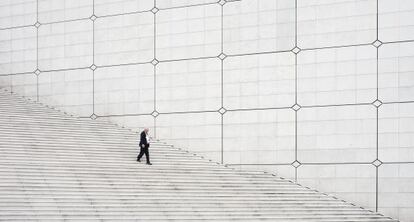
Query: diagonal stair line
pixel 45 175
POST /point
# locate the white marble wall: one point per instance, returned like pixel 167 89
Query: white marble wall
pixel 317 91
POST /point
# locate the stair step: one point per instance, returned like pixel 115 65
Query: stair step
pixel 57 167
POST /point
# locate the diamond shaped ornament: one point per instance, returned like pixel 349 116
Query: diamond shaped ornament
pixel 37 72
pixel 377 43
pixel 93 116
pixel 296 164
pixel 222 110
pixel 222 2
pixel 377 103
pixel 296 50
pixel 154 10
pixel 222 56
pixel 155 62
pixel 93 17
pixel 377 163
pixel 296 107
pixel 93 67
pixel 155 113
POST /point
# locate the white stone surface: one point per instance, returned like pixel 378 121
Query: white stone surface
pixel 285 171
pixel 259 25
pixel 111 7
pixel 396 132
pixel 5 82
pixel 266 137
pixel 18 50
pixel 337 134
pixel 396 70
pixel 65 45
pixel 349 182
pixel 259 81
pixel 337 76
pixel 395 20
pixel 54 164
pixel 58 10
pixel 70 91
pixel 188 32
pixel 396 191
pixel 197 132
pixel 131 38
pixel 124 90
pixel 136 123
pixel 332 76
pixel 17 13
pixel 25 85
pixel 182 3
pixel 192 85
pixel 323 23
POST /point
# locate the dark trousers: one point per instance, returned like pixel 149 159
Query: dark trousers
pixel 144 150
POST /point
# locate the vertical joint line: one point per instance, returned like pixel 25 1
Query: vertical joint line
pixel 296 78
pixel 296 135
pixel 155 69
pixel 93 91
pixel 222 139
pixel 377 72
pixel 37 50
pixel 296 89
pixel 222 82
pixel 37 88
pixel 155 126
pixel 155 87
pixel 377 17
pixel 93 42
pixel 222 29
pixel 377 35
pixel 296 175
pixel 93 58
pixel 376 189
pixel 296 23
pixel 155 35
pixel 155 57
pixel 377 133
pixel 37 10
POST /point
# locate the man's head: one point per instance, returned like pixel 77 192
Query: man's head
pixel 146 130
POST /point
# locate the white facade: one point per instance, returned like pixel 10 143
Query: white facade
pixel 319 91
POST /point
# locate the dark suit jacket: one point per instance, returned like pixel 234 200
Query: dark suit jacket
pixel 143 139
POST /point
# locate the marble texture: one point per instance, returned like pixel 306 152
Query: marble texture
pixel 317 91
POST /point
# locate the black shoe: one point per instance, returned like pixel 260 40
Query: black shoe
pixel 138 160
pixel 149 163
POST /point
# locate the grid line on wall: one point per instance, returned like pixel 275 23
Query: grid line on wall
pixel 201 58
pixel 93 66
pixel 296 50
pixel 37 71
pixel 319 163
pixel 155 62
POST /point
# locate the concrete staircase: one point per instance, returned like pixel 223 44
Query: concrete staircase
pixel 55 167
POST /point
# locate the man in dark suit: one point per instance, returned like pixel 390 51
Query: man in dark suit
pixel 144 145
